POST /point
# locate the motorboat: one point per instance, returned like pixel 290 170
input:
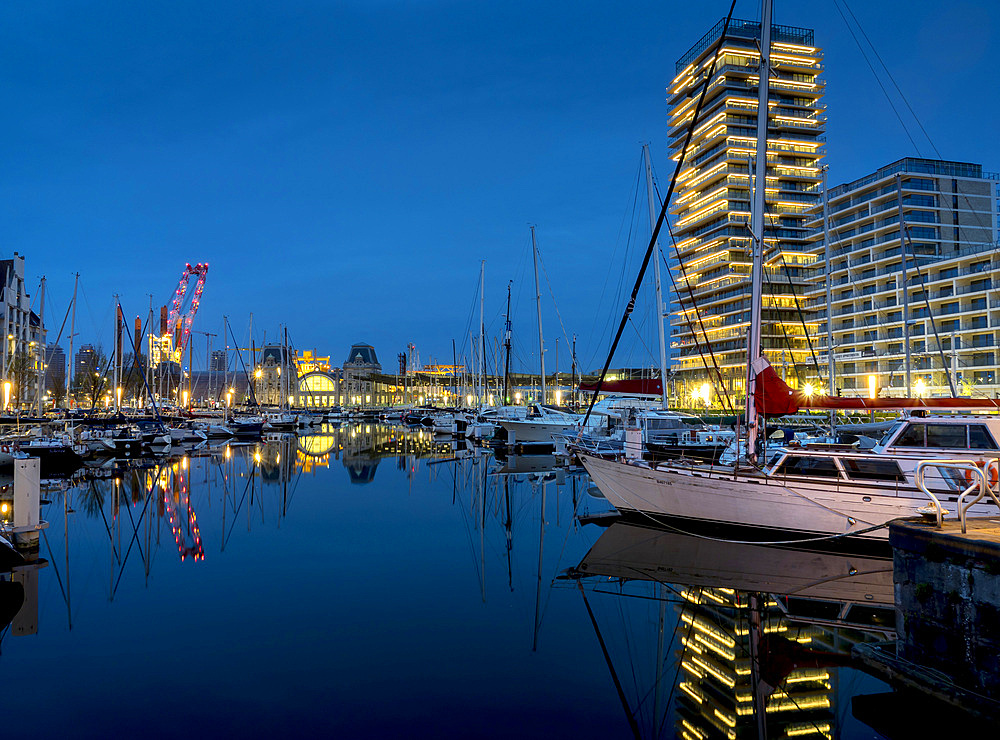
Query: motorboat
pixel 824 489
pixel 539 424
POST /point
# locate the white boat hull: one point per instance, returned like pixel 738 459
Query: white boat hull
pixel 526 432
pixel 754 500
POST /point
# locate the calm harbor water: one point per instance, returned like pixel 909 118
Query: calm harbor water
pixel 366 581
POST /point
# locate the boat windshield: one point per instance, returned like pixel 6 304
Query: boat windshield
pixel 889 434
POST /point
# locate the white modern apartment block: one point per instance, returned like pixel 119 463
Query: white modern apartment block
pixel 950 312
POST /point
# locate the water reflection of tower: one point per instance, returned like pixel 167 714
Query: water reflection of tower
pixel 277 461
pixel 715 696
pixel 360 443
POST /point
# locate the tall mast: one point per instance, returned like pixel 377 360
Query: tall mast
pixel 482 332
pixel 41 349
pixel 118 352
pixel 506 344
pixel 538 305
pixel 225 365
pixel 72 332
pixel 574 371
pixel 906 291
pixel 758 189
pixel 827 254
pixel 653 211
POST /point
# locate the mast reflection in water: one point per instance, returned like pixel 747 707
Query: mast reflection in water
pixel 369 581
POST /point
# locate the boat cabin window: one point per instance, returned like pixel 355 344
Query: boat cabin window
pixel 868 469
pixel 980 438
pixel 911 436
pixel 813 466
pixel 947 435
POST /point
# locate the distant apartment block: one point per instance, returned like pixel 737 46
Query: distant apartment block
pixel 55 366
pixel 951 215
pixel 218 361
pixel 711 208
pixel 85 360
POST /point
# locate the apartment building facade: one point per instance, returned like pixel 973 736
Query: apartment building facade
pixel 711 208
pixel 949 313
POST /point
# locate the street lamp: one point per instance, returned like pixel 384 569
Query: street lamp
pixel 118 394
pixel 186 395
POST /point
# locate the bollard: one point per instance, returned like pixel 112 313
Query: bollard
pixel 27 502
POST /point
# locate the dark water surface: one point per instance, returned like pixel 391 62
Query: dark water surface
pixel 369 582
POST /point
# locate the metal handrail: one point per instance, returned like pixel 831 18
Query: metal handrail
pixel 984 488
pixel 963 465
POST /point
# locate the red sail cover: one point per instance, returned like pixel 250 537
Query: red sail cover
pixel 773 397
pixel 627 387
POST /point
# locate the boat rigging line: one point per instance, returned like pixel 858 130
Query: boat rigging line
pixel 659 221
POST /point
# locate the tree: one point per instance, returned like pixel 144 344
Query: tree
pixel 23 377
pixel 134 375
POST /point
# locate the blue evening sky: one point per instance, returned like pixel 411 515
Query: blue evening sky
pixel 345 166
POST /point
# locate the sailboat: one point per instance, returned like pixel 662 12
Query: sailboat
pixel 815 490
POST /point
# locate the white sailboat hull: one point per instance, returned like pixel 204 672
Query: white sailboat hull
pixel 754 500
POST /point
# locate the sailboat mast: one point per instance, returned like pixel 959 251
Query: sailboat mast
pixel 653 211
pixel 482 332
pixel 827 254
pixel 41 349
pixel 538 306
pixel 506 344
pixel 72 332
pixel 906 290
pixel 758 189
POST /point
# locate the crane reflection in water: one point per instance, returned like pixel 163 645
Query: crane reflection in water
pixel 662 633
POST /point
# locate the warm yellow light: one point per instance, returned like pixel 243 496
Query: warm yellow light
pixel 920 387
pixel 185 394
pixel 228 452
pixel 291 400
pixel 257 373
pixel 184 463
pixel 872 386
pixel 808 390
pixel 229 399
pixel 256 457
pixel 517 397
pixel 469 399
pixel 4 508
pixel 6 393
pixel 706 393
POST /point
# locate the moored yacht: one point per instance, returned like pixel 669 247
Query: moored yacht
pixel 814 489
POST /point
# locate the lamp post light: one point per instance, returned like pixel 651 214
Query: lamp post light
pixel 118 395
pixel 186 395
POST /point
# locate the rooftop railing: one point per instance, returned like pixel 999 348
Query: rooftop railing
pixel 748 30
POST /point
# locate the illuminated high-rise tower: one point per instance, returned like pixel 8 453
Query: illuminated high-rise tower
pixel 711 208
